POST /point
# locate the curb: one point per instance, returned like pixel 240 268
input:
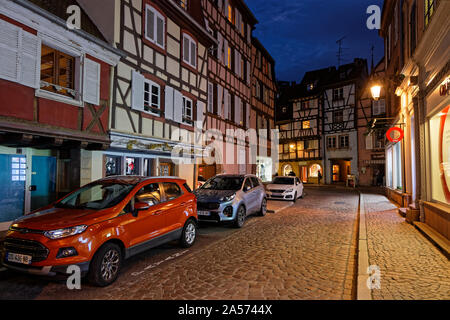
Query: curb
pixel 362 291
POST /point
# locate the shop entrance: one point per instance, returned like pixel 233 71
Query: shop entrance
pixel 12 186
pixel 43 181
pixel 340 170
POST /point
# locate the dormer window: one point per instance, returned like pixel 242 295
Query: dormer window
pixel 310 87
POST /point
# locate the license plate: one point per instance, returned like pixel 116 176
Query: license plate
pixel 18 258
pixel 203 213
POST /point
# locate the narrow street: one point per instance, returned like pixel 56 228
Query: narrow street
pixel 302 252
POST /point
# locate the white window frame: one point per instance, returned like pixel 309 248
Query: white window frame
pixel 185 99
pixel 78 81
pixel 152 84
pixel 191 42
pixel 157 15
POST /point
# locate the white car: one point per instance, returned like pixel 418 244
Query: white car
pixel 285 188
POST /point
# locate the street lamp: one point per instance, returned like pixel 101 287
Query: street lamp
pixel 376 92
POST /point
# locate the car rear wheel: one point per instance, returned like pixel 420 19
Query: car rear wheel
pixel 263 210
pixel 189 234
pixel 106 265
pixel 240 217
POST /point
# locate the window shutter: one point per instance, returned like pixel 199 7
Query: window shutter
pixel 225 49
pixel 168 97
pixel 382 106
pixel 237 17
pixel 237 110
pixel 186 49
pixel 248 115
pixel 220 46
pixel 30 60
pixel 226 8
pixel 249 67
pixel 220 101
pixel 137 89
pixel 91 82
pixel 10 43
pixel 249 33
pixel 177 106
pixel 369 142
pixel 200 116
pixel 237 63
pixel 226 102
pixel 210 97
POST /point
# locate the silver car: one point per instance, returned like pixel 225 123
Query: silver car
pixel 231 198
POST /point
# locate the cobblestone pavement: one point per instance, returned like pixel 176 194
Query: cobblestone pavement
pixel 303 252
pixel 411 267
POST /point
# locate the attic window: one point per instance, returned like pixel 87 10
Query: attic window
pixel 183 4
pixel 343 75
pixel 310 87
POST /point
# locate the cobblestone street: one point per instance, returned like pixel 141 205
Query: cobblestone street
pixel 306 251
pixel 411 267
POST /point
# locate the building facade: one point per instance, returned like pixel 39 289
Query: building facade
pixel 262 111
pixel 417 38
pixel 160 89
pixel 55 99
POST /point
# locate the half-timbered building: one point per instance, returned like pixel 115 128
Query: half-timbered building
pixel 340 121
pixel 160 90
pixel 299 121
pixel 262 111
pixel 229 88
pixel 54 102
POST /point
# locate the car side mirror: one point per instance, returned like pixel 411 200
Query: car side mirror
pixel 247 189
pixel 140 206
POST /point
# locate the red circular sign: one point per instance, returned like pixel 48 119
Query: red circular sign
pixel 389 134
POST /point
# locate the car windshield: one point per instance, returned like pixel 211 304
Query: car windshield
pixel 283 180
pixel 224 183
pixel 97 196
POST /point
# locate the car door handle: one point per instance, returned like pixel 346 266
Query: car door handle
pixel 157 213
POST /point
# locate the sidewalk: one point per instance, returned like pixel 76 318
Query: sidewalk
pixel 412 268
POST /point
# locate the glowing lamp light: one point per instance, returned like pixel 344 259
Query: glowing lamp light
pixel 376 92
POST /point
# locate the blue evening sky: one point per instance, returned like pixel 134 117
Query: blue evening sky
pixel 301 35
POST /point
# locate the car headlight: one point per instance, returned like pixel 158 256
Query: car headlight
pixel 228 198
pixel 289 190
pixel 64 233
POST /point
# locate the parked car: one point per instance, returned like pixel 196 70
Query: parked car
pixel 98 226
pixel 231 198
pixel 285 188
pixel 200 181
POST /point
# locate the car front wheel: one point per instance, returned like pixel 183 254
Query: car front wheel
pixel 263 210
pixel 189 234
pixel 240 217
pixel 106 265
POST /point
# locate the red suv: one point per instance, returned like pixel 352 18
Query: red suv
pixel 100 225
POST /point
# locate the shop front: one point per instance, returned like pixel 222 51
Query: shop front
pixel 436 207
pixel 307 171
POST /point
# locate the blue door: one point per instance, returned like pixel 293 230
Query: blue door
pixel 43 181
pixel 12 187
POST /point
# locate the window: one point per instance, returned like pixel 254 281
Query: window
pixel 344 142
pixel 150 194
pixel 112 166
pixel 172 191
pixel 187 111
pixel 379 107
pixel 183 4
pixel 152 97
pixel 255 182
pixel 230 58
pixel 314 170
pixel 331 142
pixel 57 72
pixel 306 125
pixel 248 184
pixel 338 116
pixel 429 10
pixel 257 90
pixel 310 87
pixel 230 14
pixel 338 94
pixel 211 97
pixel 132 166
pixel 155 26
pixel 189 51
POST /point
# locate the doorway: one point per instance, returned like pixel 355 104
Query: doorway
pixel 43 181
pixel 12 188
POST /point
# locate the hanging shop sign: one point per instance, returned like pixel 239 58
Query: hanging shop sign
pixel 399 136
pixel 444 152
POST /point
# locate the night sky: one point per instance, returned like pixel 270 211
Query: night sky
pixel 301 35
